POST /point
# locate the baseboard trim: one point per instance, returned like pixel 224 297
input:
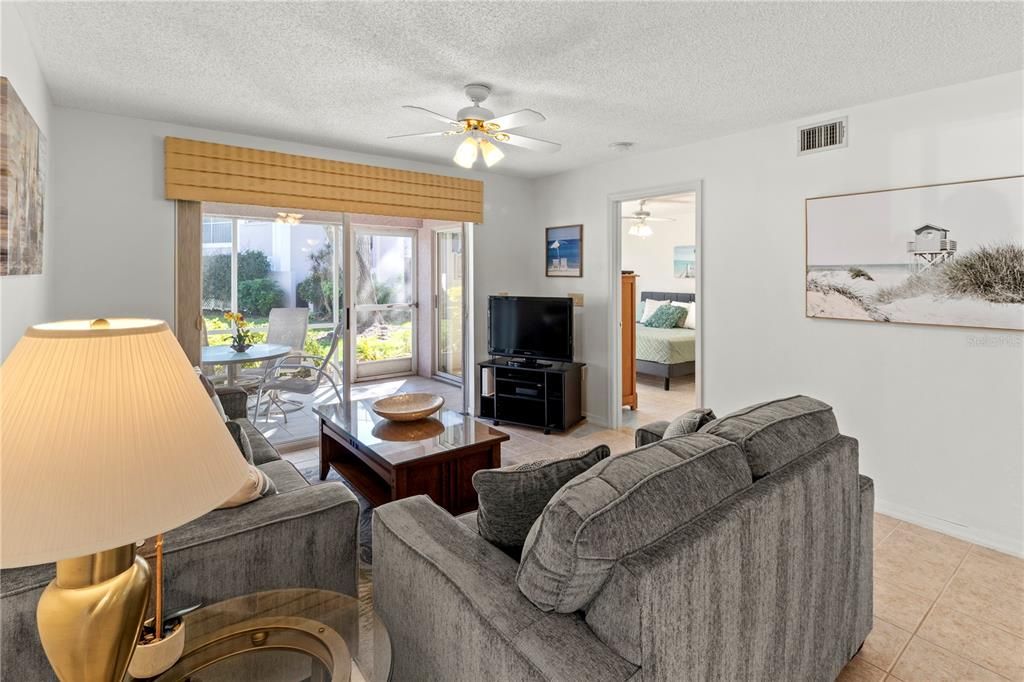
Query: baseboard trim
pixel 594 419
pixel 1007 545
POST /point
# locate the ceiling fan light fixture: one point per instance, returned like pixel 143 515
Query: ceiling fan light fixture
pixel 644 230
pixel 491 153
pixel 466 154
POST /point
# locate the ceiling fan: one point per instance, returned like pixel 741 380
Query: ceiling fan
pixel 641 218
pixel 481 130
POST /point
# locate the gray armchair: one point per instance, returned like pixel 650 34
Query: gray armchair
pixel 305 536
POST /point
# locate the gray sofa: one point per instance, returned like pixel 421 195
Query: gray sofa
pixel 305 536
pixel 773 582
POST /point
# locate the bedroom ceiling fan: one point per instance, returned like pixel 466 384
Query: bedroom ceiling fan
pixel 481 130
pixel 641 218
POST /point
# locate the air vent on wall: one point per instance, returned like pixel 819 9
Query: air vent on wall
pixel 823 136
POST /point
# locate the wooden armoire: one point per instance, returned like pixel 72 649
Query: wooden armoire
pixel 629 339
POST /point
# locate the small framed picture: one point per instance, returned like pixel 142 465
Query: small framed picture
pixel 563 251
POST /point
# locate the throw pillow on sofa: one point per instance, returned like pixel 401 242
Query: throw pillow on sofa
pixel 511 498
pixel 241 439
pixel 256 485
pixel 619 506
pixel 688 422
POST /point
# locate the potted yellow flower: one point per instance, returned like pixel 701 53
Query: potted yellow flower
pixel 241 340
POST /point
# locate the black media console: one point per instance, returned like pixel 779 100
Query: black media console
pixel 546 397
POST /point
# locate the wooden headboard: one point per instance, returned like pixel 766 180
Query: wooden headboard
pixel 667 296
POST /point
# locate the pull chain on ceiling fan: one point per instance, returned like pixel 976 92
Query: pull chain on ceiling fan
pixel 481 130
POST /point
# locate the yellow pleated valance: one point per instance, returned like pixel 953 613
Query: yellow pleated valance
pixel 205 171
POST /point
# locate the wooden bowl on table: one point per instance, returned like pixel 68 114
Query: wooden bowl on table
pixel 407 407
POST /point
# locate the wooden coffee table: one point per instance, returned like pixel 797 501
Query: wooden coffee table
pixel 388 461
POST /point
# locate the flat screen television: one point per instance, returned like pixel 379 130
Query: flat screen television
pixel 530 327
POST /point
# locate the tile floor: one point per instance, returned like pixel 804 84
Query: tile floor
pixel 945 609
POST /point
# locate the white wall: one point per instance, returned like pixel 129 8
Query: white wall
pixel 24 298
pixel 116 231
pixel 652 258
pixel 946 448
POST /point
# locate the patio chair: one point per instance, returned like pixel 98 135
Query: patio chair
pixel 286 327
pixel 302 374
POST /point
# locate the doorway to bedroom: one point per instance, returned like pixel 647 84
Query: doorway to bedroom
pixel 658 307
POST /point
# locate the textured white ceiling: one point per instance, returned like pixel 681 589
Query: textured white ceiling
pixel 659 74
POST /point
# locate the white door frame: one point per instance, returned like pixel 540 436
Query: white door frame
pixel 615 288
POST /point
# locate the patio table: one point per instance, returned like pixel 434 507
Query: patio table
pixel 260 352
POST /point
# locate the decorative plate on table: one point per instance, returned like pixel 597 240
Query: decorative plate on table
pixel 407 407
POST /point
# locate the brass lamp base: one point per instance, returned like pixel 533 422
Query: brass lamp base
pixel 90 615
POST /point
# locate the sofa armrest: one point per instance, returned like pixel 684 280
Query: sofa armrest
pixel 453 611
pixel 234 400
pixel 650 433
pixel 304 538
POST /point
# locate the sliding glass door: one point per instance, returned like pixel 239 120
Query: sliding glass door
pixel 252 265
pixel 448 310
pixel 385 301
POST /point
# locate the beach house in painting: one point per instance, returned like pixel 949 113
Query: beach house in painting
pixel 931 245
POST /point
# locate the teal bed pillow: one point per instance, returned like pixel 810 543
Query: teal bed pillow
pixel 666 317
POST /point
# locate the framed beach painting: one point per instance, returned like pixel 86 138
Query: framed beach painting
pixel 563 250
pixel 950 254
pixel 22 187
pixel 684 262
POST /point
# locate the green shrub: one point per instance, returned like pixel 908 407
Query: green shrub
pixel 860 273
pixel 217 282
pixel 992 273
pixel 252 265
pixel 257 296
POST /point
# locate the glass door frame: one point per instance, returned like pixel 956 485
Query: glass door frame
pixel 352 324
pixel 435 238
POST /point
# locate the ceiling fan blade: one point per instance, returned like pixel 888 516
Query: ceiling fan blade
pixel 517 119
pixel 531 143
pixel 437 134
pixel 432 114
pixel 661 220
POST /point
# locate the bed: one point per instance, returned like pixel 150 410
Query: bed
pixel 665 353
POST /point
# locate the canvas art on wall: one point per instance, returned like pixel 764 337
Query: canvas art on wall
pixel 684 262
pixel 563 248
pixel 949 254
pixel 22 187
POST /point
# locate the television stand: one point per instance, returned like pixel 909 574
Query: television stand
pixel 528 363
pixel 547 396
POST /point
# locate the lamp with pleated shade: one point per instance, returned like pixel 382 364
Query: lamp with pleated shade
pixel 108 437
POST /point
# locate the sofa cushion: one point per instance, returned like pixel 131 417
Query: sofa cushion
pixel 511 498
pixel 775 433
pixel 621 505
pixel 688 422
pixel 257 484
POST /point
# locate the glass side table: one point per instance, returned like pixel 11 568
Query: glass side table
pixel 290 635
